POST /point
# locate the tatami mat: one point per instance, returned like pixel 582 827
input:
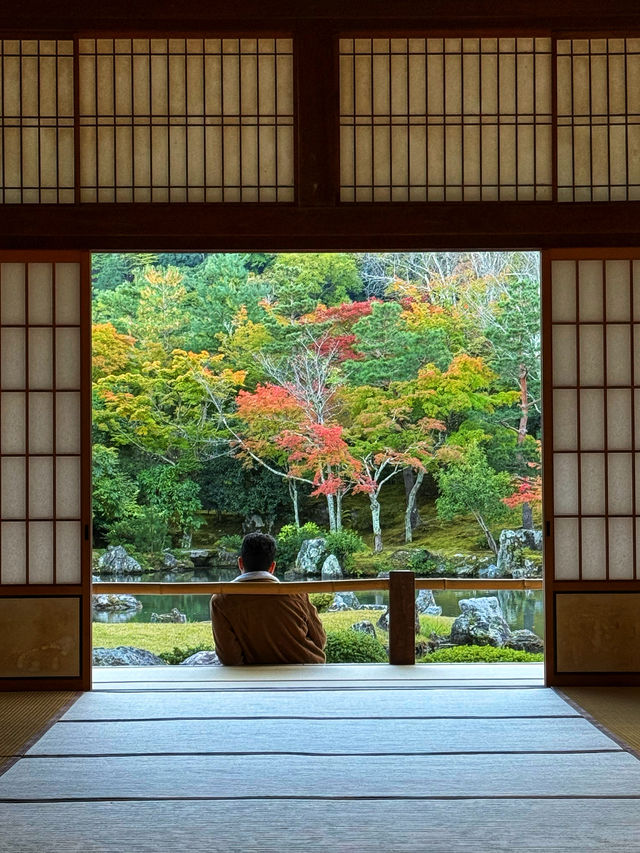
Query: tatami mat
pixel 616 708
pixel 23 715
pixel 264 762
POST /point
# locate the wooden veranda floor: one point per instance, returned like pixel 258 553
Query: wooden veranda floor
pixel 340 758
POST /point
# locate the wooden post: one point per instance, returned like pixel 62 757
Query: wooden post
pixel 402 617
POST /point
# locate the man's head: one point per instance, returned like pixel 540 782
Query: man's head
pixel 258 553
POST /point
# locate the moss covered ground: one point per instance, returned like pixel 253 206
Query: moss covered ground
pixel 161 637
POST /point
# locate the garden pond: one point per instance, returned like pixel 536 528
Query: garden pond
pixel 521 608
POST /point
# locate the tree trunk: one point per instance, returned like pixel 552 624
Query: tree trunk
pixel 187 538
pixel 411 510
pixel 524 403
pixel 490 540
pixel 293 493
pixel 409 478
pixel 331 507
pixel 375 523
pixel 338 510
pixel 527 513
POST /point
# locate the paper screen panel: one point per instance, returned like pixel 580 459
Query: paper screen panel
pixel 598 97
pixel 595 413
pixel 40 421
pixel 36 121
pixel 186 120
pixel 445 119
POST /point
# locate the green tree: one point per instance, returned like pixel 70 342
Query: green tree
pixel 469 486
pixel 389 351
pixel 298 282
pixel 171 493
pixel 115 494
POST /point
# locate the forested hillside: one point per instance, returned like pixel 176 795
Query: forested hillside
pixel 303 386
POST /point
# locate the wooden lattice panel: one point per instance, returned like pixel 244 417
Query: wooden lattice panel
pixel 36 121
pixel 186 120
pixel 446 119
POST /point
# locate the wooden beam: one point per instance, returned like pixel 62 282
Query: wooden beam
pixel 160 15
pixel 349 585
pixel 402 616
pixel 354 227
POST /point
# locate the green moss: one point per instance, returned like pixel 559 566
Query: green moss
pixel 165 637
pixel 354 647
pixel 480 654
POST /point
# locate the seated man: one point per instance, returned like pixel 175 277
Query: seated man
pixel 253 629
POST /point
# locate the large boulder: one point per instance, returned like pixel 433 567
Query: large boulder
pixel 173 615
pixel 225 557
pixel 331 569
pixel 511 562
pixel 201 557
pixel 383 621
pixel 365 627
pixel 344 601
pixel 253 524
pixel 202 659
pixel 525 641
pixel 116 561
pixel 426 603
pixel 169 561
pixel 309 556
pixel 125 656
pixel 481 623
pixel 116 603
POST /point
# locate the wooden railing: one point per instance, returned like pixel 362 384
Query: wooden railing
pixel 401 585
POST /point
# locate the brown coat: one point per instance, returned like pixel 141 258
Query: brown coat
pixel 255 629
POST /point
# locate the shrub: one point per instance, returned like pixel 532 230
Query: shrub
pixel 321 600
pixel 484 654
pixel 179 654
pixel 290 539
pixel 148 532
pixel 344 544
pixel 354 647
pixel 232 542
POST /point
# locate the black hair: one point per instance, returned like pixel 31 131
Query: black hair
pixel 258 552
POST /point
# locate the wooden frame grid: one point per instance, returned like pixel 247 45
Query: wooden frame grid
pixel 610 579
pixel 447 133
pixel 55 585
pixel 185 119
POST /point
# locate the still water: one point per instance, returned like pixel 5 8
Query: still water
pixel 522 608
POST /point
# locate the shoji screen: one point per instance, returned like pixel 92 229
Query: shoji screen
pixel 45 473
pixel 598 119
pixel 186 119
pixel 446 119
pixel 592 445
pixel 36 121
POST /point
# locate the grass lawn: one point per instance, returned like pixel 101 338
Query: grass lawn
pixel 161 637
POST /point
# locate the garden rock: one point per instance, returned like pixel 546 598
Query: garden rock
pixel 331 568
pixel 383 621
pixel 525 641
pixel 490 571
pixel 365 627
pixel 309 556
pixel 201 558
pixel 510 545
pixel 104 601
pixel 426 603
pixel 344 601
pixel 125 656
pixel 169 561
pixel 253 524
pixel 202 659
pixel 173 615
pixel 116 561
pixel 481 623
pixel 223 557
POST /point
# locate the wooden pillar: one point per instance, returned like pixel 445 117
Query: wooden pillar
pixel 402 617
